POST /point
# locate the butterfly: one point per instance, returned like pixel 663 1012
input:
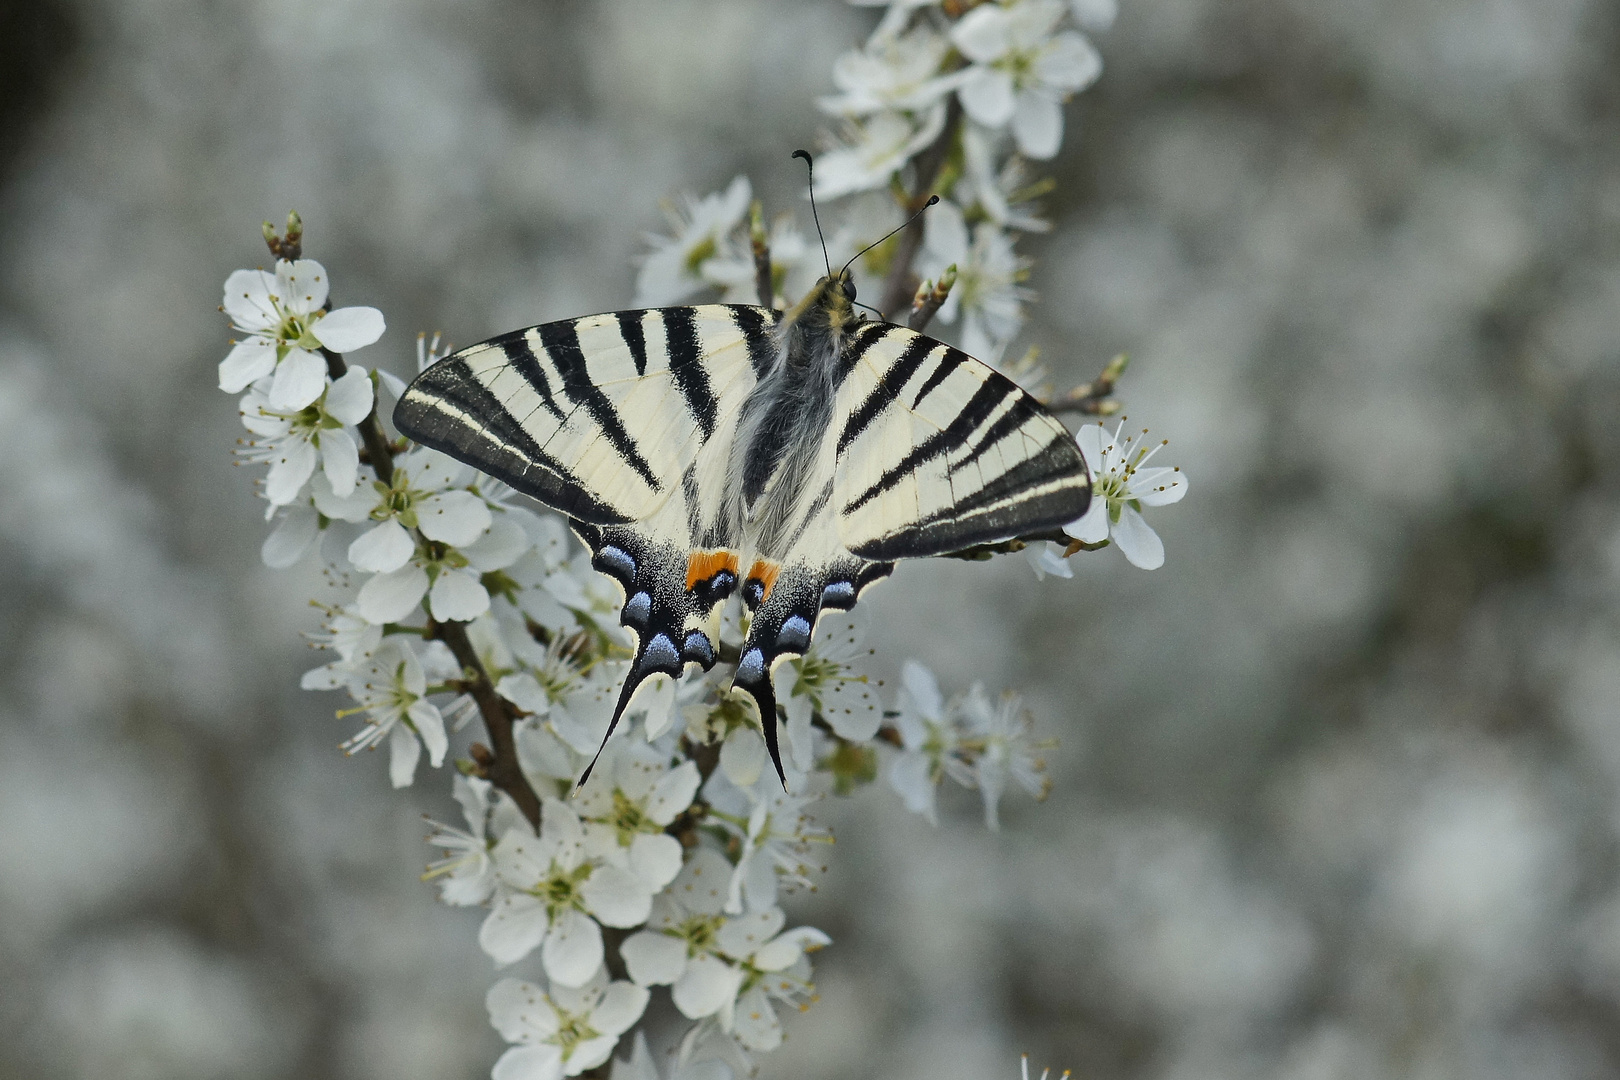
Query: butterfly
pixel 789 456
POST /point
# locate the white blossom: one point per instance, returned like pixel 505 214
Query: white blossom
pixel 1005 749
pixel 550 895
pixel 828 680
pixel 282 316
pixel 640 1066
pixel 900 72
pixel 875 149
pixel 389 686
pixel 896 17
pixel 1120 486
pixel 776 834
pixel 680 946
pixel 1022 72
pixel 630 798
pixel 1000 193
pixel 989 294
pixel 466 874
pixel 293 443
pixel 352 638
pixel 673 270
pixel 930 742
pixel 562 1031
pixel 1045 558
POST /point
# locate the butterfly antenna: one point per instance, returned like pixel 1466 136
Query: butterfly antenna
pixel 932 199
pixel 810 170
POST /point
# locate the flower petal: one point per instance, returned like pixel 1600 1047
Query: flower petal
pixel 518 1010
pixel 348 329
pixel 987 95
pixel 383 548
pixel 498 548
pixel 1136 538
pixel 389 598
pixel 1159 487
pixel 524 691
pixel 539 1062
pixel 430 726
pixel 703 883
pixel 516 924
pixel 354 507
pixel 301 285
pixel 707 984
pixel 292 537
pixel 289 472
pixel 1092 526
pixel 573 949
pixel 1069 62
pixel 340 460
pixel 1037 124
pixel 247 300
pixel 621 1006
pixel 457 596
pixel 981 35
pixel 349 399
pixel 453 517
pixel 250 360
pixel 403 753
pixel 744 935
pixel 655 858
pixel 911 776
pixel 742 756
pixel 756 1025
pixel 617 897
pixel 652 958
pixel 673 792
pixel 300 378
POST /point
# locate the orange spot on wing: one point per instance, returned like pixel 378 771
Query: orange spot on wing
pixel 764 572
pixel 703 565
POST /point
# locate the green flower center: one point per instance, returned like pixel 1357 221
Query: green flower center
pixel 700 932
pixel 571 1031
pixel 560 891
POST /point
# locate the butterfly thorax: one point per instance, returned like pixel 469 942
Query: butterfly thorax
pixel 784 419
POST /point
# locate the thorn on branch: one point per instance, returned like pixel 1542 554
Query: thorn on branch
pixel 931 296
pixel 1094 398
pixel 289 246
pixel 760 241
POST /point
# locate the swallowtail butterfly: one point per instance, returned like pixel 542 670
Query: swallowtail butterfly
pixel 792 456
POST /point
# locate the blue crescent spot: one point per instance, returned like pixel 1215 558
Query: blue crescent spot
pixel 636 610
pixel 618 559
pixel 751 669
pixel 795 633
pixel 660 653
pixel 698 647
pixel 839 592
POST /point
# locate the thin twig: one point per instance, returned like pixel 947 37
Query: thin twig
pixel 901 283
pixel 760 242
pixel 1094 398
pixel 931 296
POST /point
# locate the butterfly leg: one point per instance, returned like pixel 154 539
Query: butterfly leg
pixel 668 610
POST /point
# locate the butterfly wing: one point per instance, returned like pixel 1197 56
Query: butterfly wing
pixel 939 452
pixel 621 421
pixel 929 451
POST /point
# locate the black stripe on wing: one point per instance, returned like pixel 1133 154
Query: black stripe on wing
pixel 955 435
pixel 561 342
pixel 685 356
pixel 449 410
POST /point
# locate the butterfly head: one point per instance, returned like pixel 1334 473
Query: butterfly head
pixel 830 303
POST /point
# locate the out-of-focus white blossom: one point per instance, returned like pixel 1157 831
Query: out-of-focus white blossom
pixel 390 686
pixel 562 1031
pixel 1120 486
pixel 550 895
pixel 1005 749
pixel 466 874
pixel 900 73
pixel 795 266
pixel 640 1066
pixel 989 294
pixel 1045 558
pixel 899 13
pixel 875 149
pixel 999 193
pixel 929 741
pixel 1022 71
pixel 282 316
pixel 674 269
pixel 776 835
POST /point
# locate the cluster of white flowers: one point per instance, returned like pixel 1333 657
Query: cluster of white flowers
pixel 450 600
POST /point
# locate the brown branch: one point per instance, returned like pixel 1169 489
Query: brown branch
pixel 759 240
pixel 901 283
pixel 1094 398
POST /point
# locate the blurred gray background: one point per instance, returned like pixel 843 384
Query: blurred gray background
pixel 1336 793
